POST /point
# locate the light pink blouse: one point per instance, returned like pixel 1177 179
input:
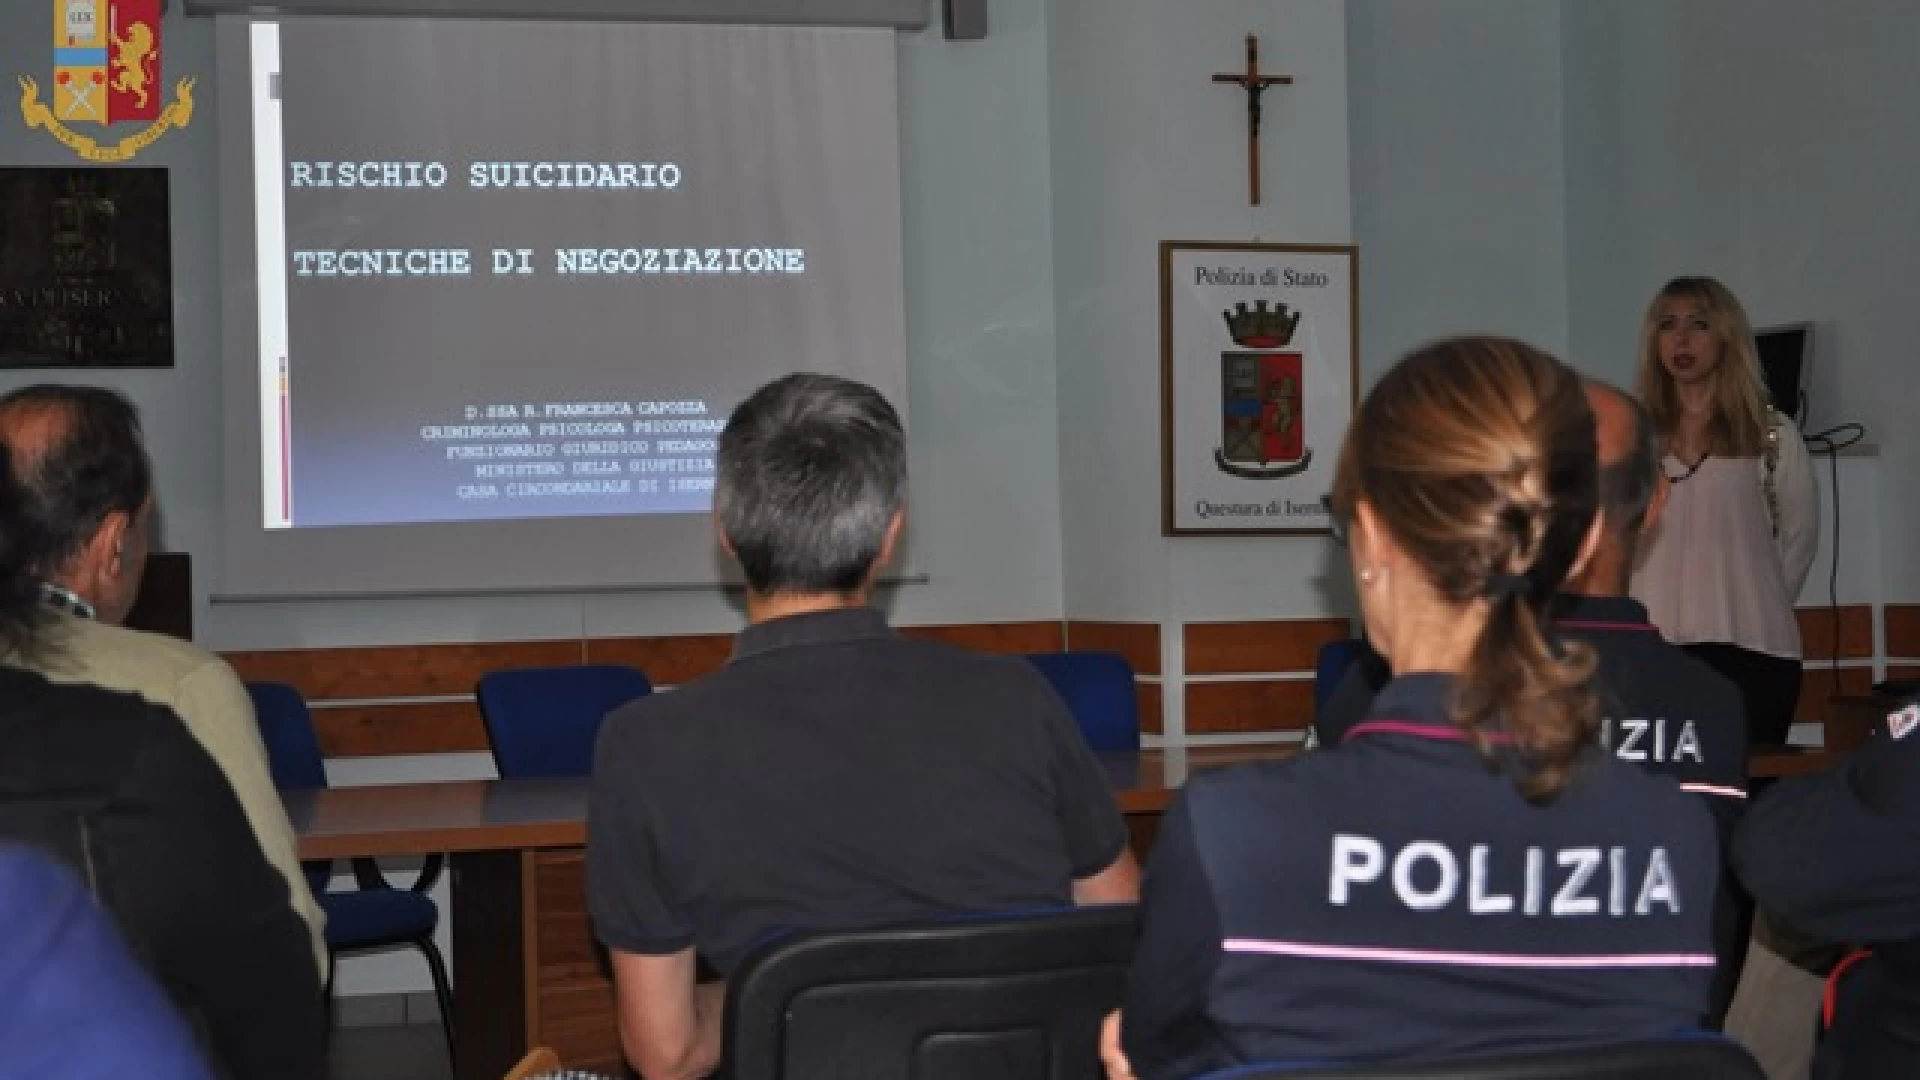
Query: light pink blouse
pixel 1713 570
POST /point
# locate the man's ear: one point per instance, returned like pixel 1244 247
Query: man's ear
pixel 105 554
pixel 1588 545
pixel 100 562
pixel 1656 506
pixel 891 541
pixel 116 530
pixel 720 537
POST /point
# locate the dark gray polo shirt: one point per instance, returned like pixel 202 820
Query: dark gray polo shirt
pixel 835 774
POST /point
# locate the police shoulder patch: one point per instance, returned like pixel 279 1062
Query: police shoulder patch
pixel 1903 722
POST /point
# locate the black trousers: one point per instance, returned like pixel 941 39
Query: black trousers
pixel 1770 685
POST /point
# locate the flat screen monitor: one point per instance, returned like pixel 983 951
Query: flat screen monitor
pixel 1784 351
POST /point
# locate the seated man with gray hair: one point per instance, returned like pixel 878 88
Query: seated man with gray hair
pixel 834 774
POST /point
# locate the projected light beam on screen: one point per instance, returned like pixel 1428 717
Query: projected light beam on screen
pixel 525 271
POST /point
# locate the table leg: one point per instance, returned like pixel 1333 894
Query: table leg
pixel 490 970
pixel 1141 831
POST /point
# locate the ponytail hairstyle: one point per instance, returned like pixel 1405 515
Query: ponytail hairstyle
pixel 1477 457
pixel 1740 421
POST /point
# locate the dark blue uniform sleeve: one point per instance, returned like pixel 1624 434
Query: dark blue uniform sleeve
pixel 1723 772
pixel 1837 854
pixel 1164 1026
pixel 1720 782
pixel 1351 699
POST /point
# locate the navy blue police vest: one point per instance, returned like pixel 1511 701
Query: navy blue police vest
pixel 1397 897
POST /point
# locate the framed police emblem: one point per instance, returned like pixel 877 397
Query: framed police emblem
pixel 106 76
pixel 1259 347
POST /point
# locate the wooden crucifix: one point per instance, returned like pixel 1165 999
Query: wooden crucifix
pixel 1255 85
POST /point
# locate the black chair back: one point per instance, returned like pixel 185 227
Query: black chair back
pixel 989 998
pixel 1702 1057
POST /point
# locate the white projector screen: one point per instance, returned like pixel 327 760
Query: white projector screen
pixel 493 288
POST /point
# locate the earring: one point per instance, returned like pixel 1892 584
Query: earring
pixel 1366 576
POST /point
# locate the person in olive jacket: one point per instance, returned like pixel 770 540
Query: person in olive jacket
pixel 116 788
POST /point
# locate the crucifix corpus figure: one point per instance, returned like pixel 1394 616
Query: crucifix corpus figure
pixel 1255 85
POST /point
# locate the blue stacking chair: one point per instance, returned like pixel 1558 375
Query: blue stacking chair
pixel 542 721
pixel 1099 690
pixel 375 915
pixel 1697 1056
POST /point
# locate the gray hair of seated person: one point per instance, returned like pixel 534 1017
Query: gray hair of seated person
pixel 812 469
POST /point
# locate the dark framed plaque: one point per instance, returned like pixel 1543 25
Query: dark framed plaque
pixel 86 269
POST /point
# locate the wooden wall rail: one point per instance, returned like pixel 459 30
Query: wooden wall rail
pixel 1241 678
pixel 418 699
pixel 1845 633
pixel 1261 647
pixel 1902 624
pixel 1138 642
pixel 1253 676
pixel 1903 630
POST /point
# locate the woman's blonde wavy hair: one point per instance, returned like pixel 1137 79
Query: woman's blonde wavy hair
pixel 1738 427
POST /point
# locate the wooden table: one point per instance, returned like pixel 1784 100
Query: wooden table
pixel 1775 762
pixel 526 969
pixel 1852 718
pixel 497 815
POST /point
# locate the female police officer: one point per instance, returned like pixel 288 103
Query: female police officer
pixel 1467 871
